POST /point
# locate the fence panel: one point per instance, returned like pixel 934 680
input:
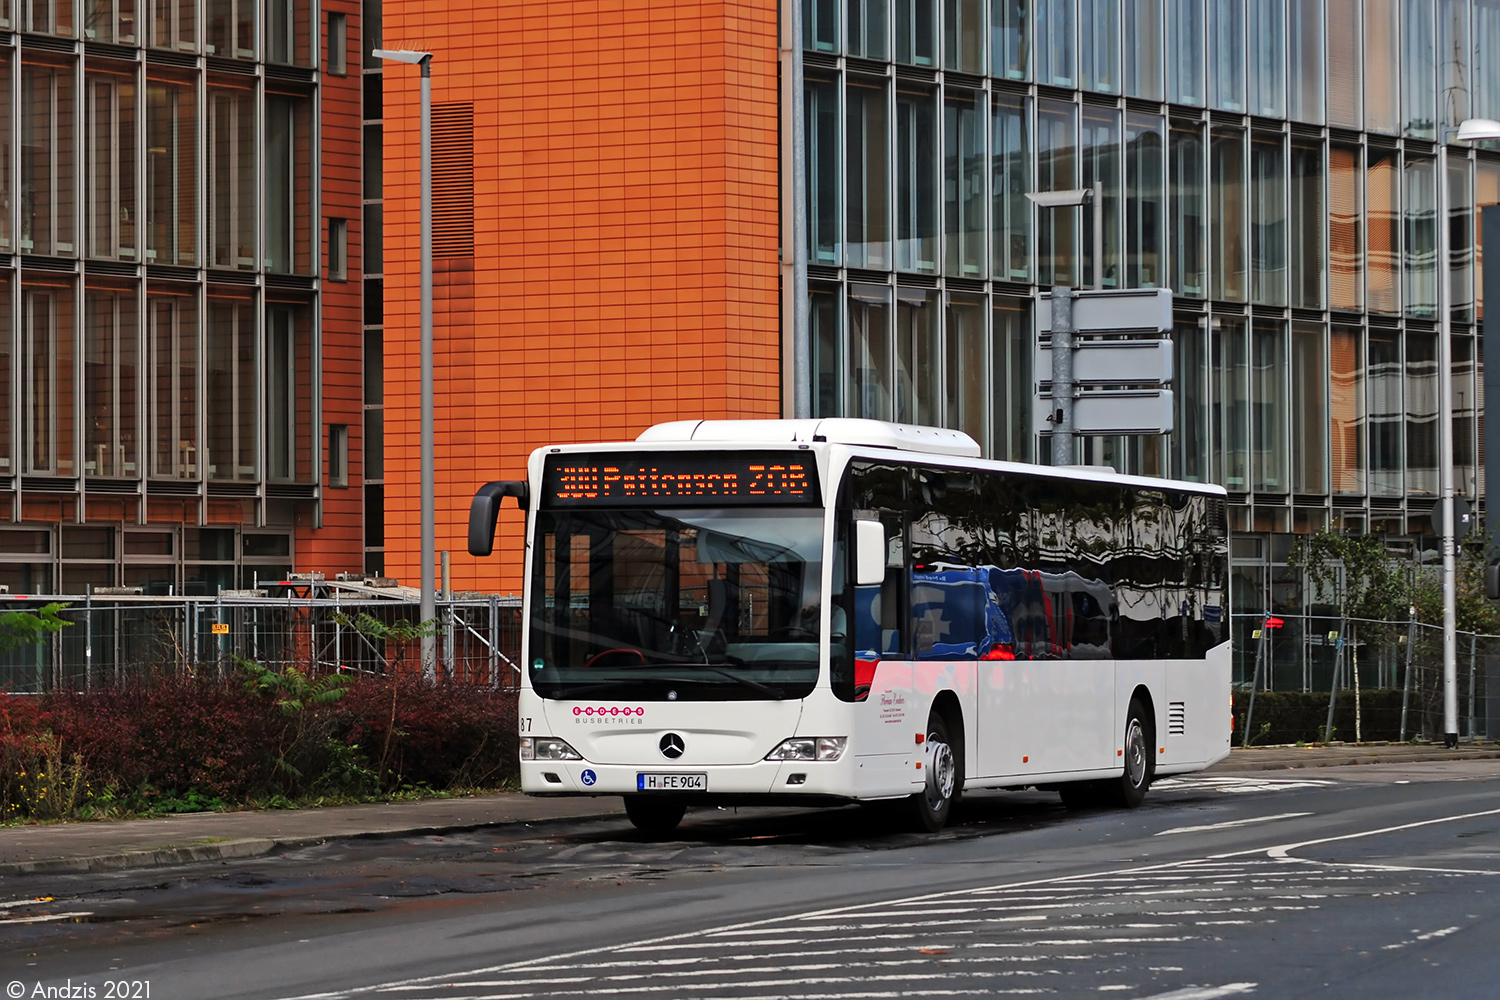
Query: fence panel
pixel 121 640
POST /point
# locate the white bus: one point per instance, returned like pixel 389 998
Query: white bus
pixel 834 611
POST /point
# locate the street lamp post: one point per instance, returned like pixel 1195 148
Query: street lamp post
pixel 428 601
pixel 1468 131
pixel 1062 317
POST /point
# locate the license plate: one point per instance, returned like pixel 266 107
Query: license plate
pixel 659 782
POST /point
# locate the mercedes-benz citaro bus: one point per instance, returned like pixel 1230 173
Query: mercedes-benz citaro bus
pixel 840 610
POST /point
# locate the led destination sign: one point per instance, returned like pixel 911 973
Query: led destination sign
pixel 680 479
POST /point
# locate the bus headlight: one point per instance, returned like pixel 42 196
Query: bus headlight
pixel 810 748
pixel 547 748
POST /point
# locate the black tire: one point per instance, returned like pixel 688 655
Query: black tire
pixel 1129 789
pixel 653 816
pixel 929 809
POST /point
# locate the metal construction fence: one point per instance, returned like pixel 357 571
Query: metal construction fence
pixel 120 640
pixel 1338 657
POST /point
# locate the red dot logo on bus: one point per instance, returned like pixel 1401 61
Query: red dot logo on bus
pixel 615 710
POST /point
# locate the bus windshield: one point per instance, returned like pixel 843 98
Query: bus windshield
pixel 676 604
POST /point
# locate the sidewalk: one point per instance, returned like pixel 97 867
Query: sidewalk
pixel 145 843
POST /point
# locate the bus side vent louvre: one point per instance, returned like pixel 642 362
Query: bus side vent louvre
pixel 1176 718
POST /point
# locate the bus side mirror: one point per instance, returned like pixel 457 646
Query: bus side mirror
pixel 1492 580
pixel 869 553
pixel 485 508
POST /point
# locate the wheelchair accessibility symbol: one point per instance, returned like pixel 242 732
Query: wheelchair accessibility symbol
pixel 589 777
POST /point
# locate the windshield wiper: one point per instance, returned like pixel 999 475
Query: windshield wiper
pixel 765 689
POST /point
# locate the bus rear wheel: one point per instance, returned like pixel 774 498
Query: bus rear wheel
pixel 652 816
pixel 929 808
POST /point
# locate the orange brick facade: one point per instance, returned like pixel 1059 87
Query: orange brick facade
pixel 625 248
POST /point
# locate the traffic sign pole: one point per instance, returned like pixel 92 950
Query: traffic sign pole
pixel 1062 375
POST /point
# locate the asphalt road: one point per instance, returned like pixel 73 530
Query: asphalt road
pixel 1375 881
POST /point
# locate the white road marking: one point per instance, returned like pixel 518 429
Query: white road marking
pixel 1231 824
pixel 1282 850
pixel 1205 993
pixel 45 919
pixel 25 902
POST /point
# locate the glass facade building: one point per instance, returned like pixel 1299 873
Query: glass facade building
pixel 1273 162
pixel 162 288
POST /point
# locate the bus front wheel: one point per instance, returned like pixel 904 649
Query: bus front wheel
pixel 652 816
pixel 930 807
pixel 1129 789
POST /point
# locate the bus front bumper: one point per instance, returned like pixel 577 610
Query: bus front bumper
pixel 761 780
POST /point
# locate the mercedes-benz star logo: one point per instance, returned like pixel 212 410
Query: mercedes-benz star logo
pixel 671 746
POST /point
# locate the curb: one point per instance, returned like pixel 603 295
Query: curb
pixel 249 847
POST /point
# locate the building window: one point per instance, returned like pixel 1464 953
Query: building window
pixel 916 181
pixel 1230 344
pixel 1189 266
pixel 1011 179
pixel 1227 189
pixel 338 43
pixel 111 384
pixel 870 350
pixel 1185 52
pixel 1010 375
pixel 916 31
pixel 288 184
pixel 231 28
pixel 1305 58
pixel 174 385
pixel 1268 231
pixel 49 149
pixel 290 447
pixel 917 361
pixel 1266 69
pixel 109 21
pixel 820 25
pixel 172 172
pixel 233 366
pixel 47 17
pixel 1100 27
pixel 1387 413
pixel 6 359
pixel 966 368
pixel 1101 165
pixel 963 183
pixel 1270 405
pixel 869 174
pixel 47 360
pixel 1419 220
pixel 1382 66
pixel 1226 63
pixel 338 455
pixel 827 337
pixel 1010 35
pixel 1056 170
pixel 1307 218
pixel 231 177
pixel 1055 33
pixel 338 249
pixel 869 29
pixel 1309 409
pixel 823 170
pixel 1421 393
pixel 1144 215
pixel 174 24
pixel 113 207
pixel 1346 410
pixel 1346 219
pixel 1190 399
pixel 1383 254
pixel 1418 70
pixel 963 36
pixel 291 37
pixel 1345 67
